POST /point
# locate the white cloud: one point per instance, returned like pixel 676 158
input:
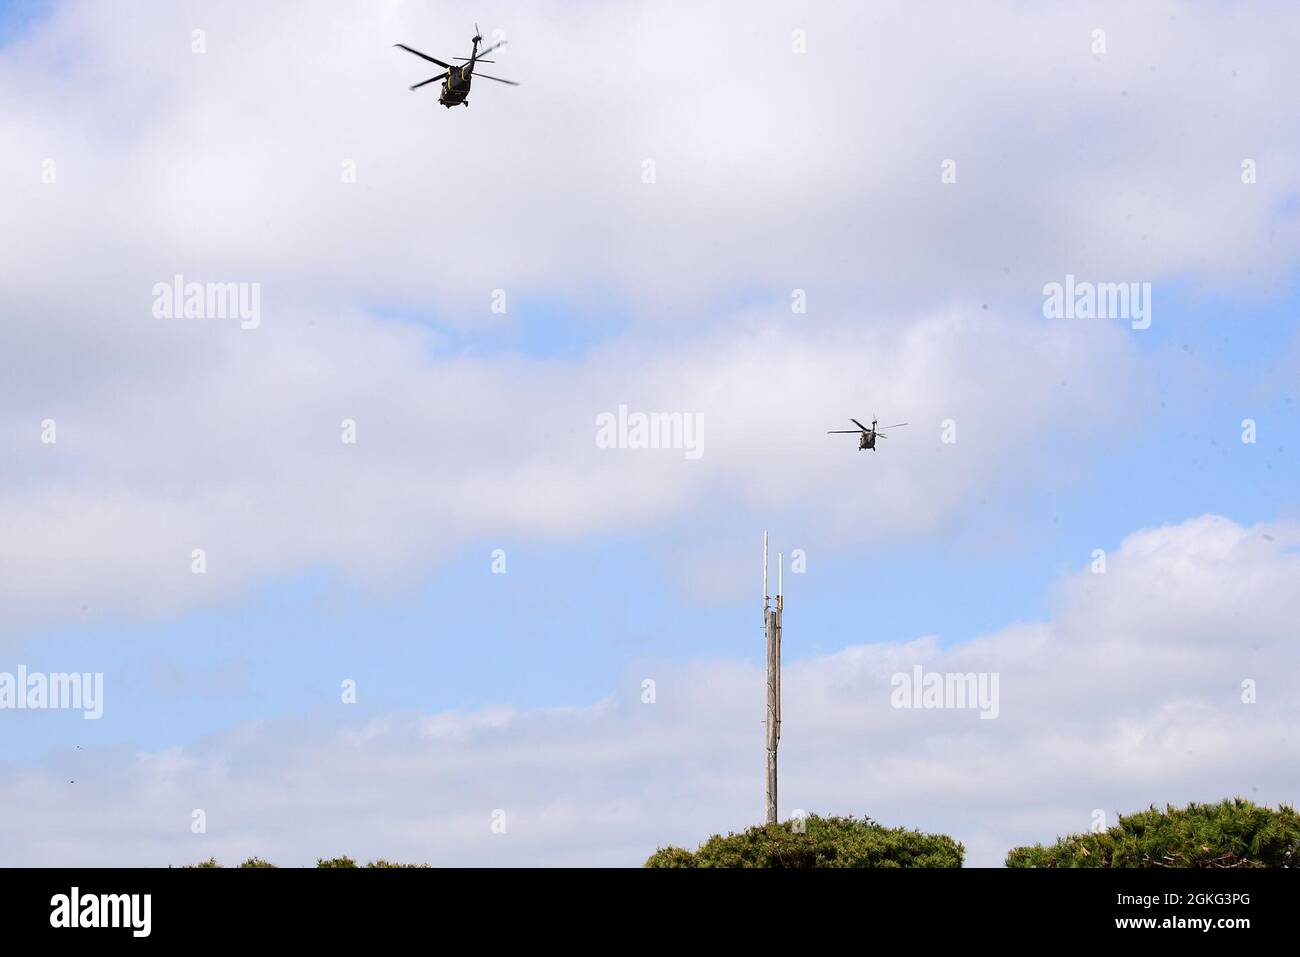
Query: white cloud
pixel 1103 706
pixel 776 171
pixel 244 458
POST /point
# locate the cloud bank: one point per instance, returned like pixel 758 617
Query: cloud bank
pixel 1131 693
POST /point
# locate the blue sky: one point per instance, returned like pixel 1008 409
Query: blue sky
pixel 374 563
pixel 16 17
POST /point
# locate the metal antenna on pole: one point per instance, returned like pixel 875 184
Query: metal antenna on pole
pixel 765 572
pixel 772 632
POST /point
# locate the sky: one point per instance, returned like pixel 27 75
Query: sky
pixel 770 217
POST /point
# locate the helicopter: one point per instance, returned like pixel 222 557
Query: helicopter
pixel 455 82
pixel 866 436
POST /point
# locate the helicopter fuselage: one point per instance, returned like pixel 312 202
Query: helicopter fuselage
pixel 867 440
pixel 456 87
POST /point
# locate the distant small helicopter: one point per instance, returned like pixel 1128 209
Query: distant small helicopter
pixel 455 82
pixel 866 436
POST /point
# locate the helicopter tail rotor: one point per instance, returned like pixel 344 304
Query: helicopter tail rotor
pixel 486 50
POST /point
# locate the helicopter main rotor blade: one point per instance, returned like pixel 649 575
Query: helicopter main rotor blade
pixel 423 56
pixel 485 76
pixel 844 432
pixel 491 48
pixel 860 425
pixel 432 79
pixel 899 425
pixel 466 59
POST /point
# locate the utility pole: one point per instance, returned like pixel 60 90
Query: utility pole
pixel 772 631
